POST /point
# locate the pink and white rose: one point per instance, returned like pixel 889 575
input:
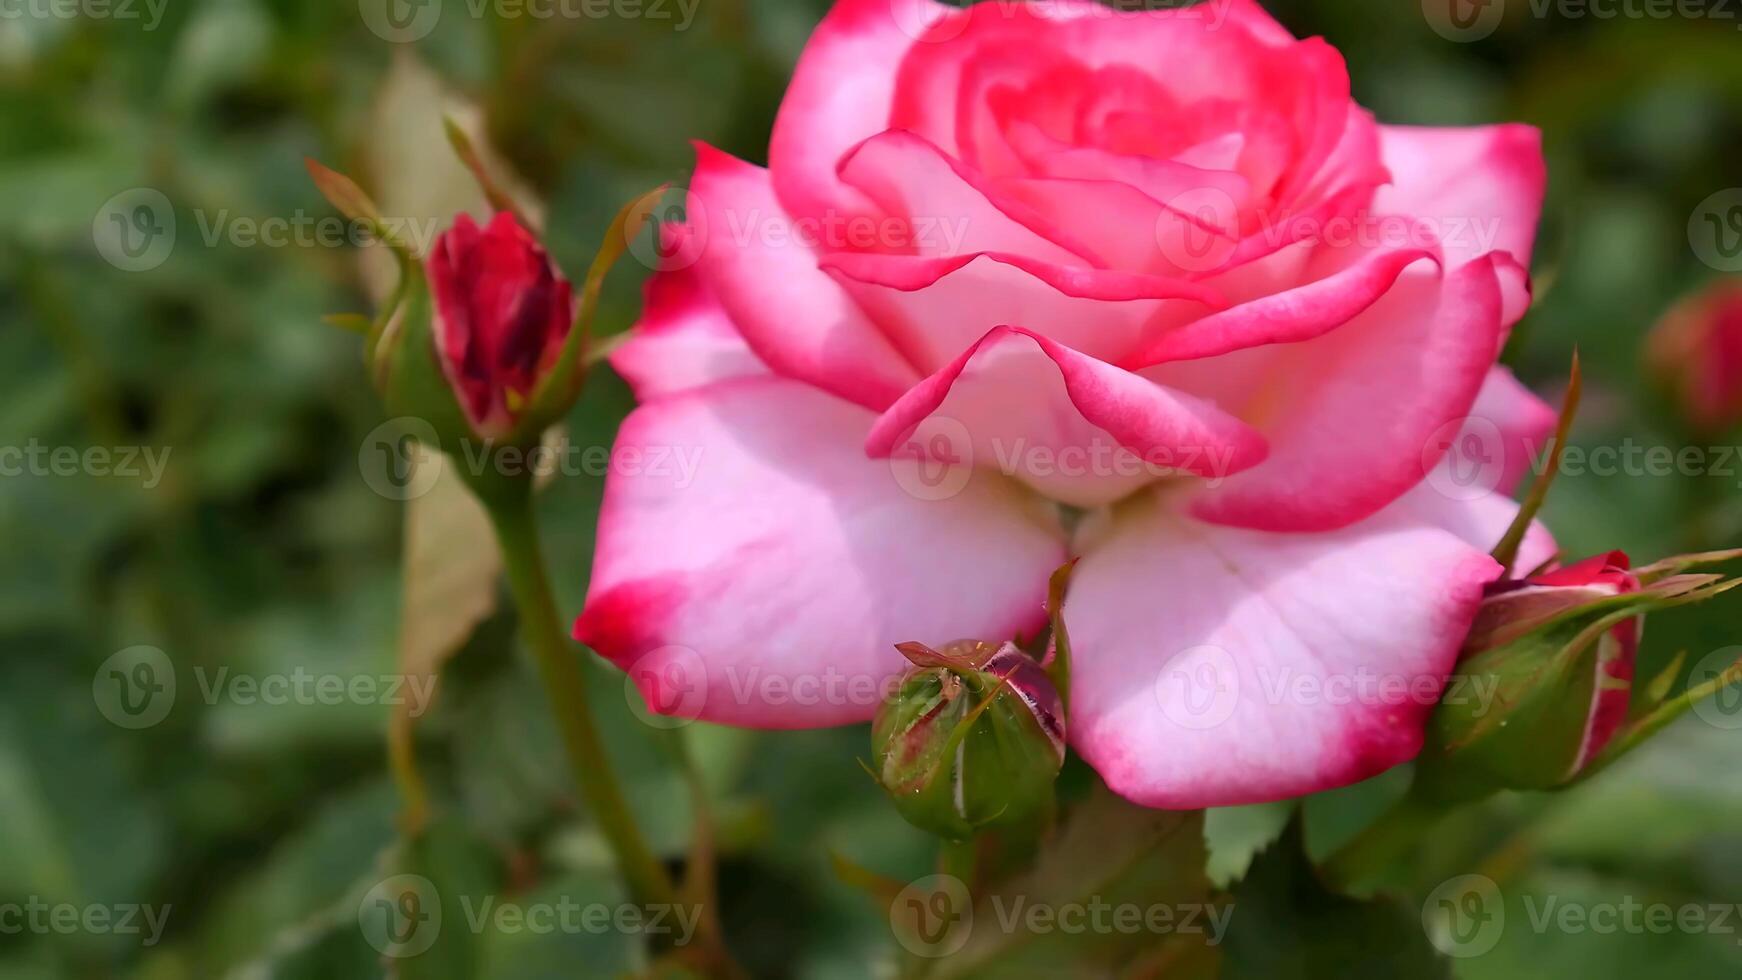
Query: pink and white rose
pixel 1023 283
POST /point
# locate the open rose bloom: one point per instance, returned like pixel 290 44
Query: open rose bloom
pixel 1026 283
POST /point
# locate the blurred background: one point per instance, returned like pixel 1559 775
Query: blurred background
pixel 163 274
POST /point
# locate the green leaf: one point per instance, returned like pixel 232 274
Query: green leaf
pixel 1289 926
pixel 1236 834
pixel 1110 855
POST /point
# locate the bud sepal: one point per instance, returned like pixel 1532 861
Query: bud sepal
pixel 972 739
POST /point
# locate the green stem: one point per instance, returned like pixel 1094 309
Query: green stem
pixel 566 684
pixel 1382 844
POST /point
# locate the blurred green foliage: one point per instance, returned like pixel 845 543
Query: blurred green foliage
pixel 263 551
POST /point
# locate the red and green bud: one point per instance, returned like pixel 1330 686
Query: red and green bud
pixel 1696 353
pixel 1553 656
pixel 503 312
pixel 485 339
pixel 972 740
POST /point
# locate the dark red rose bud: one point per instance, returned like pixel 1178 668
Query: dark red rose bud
pixel 502 314
pixel 1696 350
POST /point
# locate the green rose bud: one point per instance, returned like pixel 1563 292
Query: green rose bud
pixel 1547 678
pixel 972 740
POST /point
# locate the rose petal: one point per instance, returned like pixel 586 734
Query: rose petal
pixel 1078 430
pixel 933 308
pixel 1482 187
pixel 1217 667
pixel 758 264
pixel 754 544
pixel 840 94
pixel 950 209
pixel 1291 316
pixel 1352 417
pixel 684 339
